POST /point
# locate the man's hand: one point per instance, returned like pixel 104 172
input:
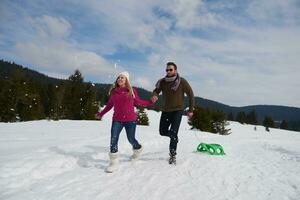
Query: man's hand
pixel 154 99
pixel 189 114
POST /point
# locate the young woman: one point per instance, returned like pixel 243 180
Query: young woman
pixel 123 98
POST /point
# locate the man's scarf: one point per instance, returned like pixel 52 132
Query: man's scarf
pixel 175 79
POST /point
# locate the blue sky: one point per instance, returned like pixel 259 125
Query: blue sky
pixel 235 52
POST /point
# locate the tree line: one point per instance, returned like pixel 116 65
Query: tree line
pixel 23 99
pixel 251 118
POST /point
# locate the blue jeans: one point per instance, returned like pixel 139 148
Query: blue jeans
pixel 116 129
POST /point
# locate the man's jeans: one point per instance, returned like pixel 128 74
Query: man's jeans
pixel 116 129
pixel 169 126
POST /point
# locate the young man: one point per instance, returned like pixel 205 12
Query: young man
pixel 173 88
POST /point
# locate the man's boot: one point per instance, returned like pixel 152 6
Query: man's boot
pixel 172 159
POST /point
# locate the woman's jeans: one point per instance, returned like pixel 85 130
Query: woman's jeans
pixel 169 126
pixel 116 129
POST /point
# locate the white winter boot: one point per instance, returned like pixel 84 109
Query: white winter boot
pixel 136 153
pixel 114 162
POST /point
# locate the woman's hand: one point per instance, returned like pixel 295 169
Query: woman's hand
pixel 153 99
pixel 189 114
pixel 98 116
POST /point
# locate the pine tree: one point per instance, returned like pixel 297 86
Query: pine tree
pixel 90 105
pixel 209 121
pixel 16 95
pixel 52 102
pixel 251 118
pixel 230 117
pixel 73 97
pixel 241 117
pixel 29 106
pixel 8 112
pixel 142 117
pixel 220 123
pixel 284 125
pixel 268 123
pixel 60 90
pixel 202 120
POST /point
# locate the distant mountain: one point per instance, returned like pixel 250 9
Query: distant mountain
pixel 7 68
pixel 278 113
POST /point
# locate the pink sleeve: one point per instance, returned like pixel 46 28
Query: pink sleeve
pixel 137 101
pixel 107 108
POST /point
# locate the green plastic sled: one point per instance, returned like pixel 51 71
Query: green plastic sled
pixel 212 149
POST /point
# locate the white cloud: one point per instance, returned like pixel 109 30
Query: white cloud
pixel 125 22
pixel 52 52
pixel 144 82
pixel 190 14
pixel 48 26
pixel 275 11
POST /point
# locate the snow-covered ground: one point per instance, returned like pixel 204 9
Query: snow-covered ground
pixel 66 160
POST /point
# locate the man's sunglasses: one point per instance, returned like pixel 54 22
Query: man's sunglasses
pixel 167 70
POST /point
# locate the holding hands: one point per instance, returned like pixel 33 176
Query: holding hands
pixel 98 116
pixel 189 114
pixel 153 99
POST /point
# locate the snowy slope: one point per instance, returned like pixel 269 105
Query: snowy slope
pixel 66 160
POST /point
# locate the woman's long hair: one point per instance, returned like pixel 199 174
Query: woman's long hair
pixel 115 85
